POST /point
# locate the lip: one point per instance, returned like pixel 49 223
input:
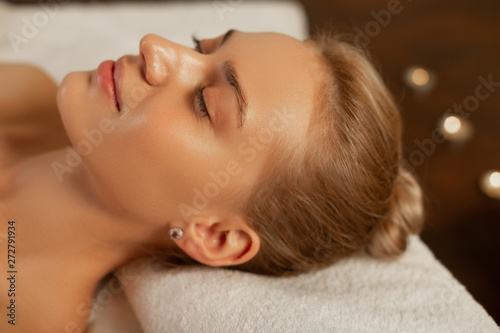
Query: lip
pixel 117 76
pixel 106 77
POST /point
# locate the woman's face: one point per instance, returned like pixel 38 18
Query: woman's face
pixel 194 128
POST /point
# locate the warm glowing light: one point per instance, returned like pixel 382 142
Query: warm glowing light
pixel 420 77
pixel 456 129
pixel 452 124
pixel 490 184
pixel 495 179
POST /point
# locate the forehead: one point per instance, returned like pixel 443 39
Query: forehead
pixel 279 75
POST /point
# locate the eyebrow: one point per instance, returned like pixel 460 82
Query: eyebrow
pixel 227 35
pixel 231 77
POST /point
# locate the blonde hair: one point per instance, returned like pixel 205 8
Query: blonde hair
pixel 349 192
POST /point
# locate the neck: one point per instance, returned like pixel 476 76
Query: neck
pixel 61 221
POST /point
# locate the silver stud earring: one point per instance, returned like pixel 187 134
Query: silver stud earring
pixel 175 233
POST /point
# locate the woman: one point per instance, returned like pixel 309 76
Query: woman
pixel 252 150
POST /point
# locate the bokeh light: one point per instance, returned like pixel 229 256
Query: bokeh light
pixel 490 184
pixel 456 129
pixel 420 76
pixel 419 79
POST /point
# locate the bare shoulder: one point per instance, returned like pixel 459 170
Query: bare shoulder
pixel 30 122
pixel 11 72
pixel 25 89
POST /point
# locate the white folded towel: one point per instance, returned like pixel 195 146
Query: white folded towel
pixel 414 293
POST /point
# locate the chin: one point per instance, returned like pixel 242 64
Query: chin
pixel 80 105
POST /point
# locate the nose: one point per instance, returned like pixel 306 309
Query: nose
pixel 166 60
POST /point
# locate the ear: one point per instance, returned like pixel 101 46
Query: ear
pixel 217 242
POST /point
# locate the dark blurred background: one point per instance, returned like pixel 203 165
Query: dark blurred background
pixel 456 42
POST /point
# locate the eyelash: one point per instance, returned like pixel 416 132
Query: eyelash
pixel 197 44
pixel 201 102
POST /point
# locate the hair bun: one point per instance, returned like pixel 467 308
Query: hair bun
pixel 405 216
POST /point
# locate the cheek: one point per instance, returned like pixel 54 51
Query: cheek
pixel 152 160
pixel 127 172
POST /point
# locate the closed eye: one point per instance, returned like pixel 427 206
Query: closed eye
pixel 201 102
pixel 230 76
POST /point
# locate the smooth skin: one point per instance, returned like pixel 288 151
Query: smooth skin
pixel 157 152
